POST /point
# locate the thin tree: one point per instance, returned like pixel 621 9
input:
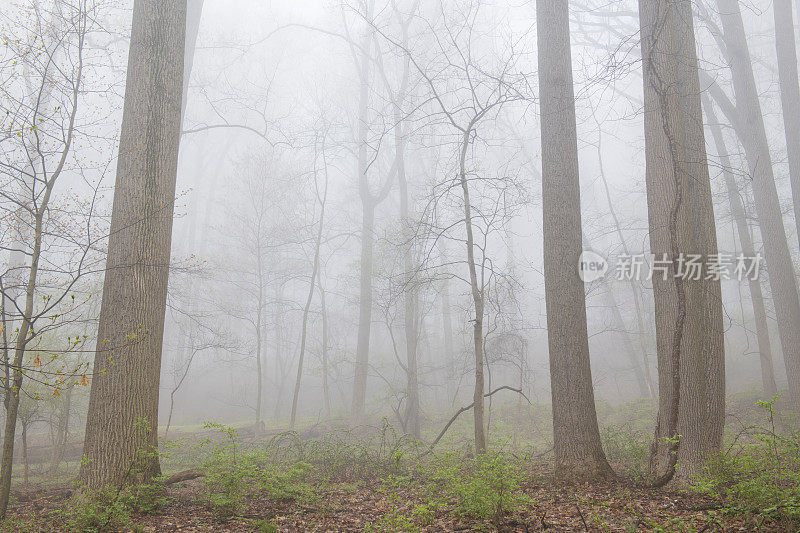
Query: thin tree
pixel 322 199
pixel 790 94
pixel 747 119
pixel 748 249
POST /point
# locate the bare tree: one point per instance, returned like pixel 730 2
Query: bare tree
pixel 790 94
pixel 43 89
pixel 747 119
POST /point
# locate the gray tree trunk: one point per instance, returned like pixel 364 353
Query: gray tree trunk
pixel 578 451
pixel 122 421
pixel 790 94
pixel 748 249
pixel 749 123
pixel 689 334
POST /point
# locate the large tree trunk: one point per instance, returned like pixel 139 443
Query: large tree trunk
pixel 681 219
pixel 790 94
pixel 749 123
pixel 121 430
pixel 703 381
pixel 578 451
pixel 748 250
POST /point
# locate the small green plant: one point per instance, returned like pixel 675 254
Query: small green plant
pixel 761 478
pixel 486 487
pixel 101 511
pixel 233 473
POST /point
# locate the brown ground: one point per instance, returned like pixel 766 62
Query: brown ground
pixel 556 507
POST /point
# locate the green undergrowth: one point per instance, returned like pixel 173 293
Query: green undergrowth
pixel 758 476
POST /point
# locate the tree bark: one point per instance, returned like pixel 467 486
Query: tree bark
pixel 749 124
pixel 681 218
pixel 578 451
pixel 790 94
pixel 121 431
pixel 326 394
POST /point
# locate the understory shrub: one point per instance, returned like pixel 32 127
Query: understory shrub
pixel 759 478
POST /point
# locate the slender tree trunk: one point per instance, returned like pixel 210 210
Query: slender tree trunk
pixel 790 94
pixel 62 432
pixel 25 463
pixel 367 236
pixel 642 336
pixel 314 273
pixel 259 346
pixel 748 250
pixel 749 123
pixel 477 288
pixel 410 294
pixel 326 394
pixel 121 431
pixel 578 452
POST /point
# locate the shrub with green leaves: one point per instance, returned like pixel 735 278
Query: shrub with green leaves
pixel 232 473
pixel 760 478
pixel 486 487
pixel 102 511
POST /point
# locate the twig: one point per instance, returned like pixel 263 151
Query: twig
pixel 467 408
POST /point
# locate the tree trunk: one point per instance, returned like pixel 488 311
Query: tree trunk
pixel 578 452
pixel 326 394
pixel 790 94
pixel 314 272
pixel 62 433
pixel 749 123
pixel 25 464
pixel 478 301
pixel 748 249
pixel 642 336
pixel 121 431
pixel 688 312
pixel 367 236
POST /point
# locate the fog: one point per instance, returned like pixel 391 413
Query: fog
pixel 322 272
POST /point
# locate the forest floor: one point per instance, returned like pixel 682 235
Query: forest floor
pixel 367 506
pixel 377 479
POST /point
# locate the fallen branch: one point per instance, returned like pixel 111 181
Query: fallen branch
pixel 186 475
pixel 467 408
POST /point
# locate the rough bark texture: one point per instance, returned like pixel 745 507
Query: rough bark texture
pixel 749 123
pixel 748 249
pixel 689 334
pixel 121 435
pixel 790 94
pixel 578 452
